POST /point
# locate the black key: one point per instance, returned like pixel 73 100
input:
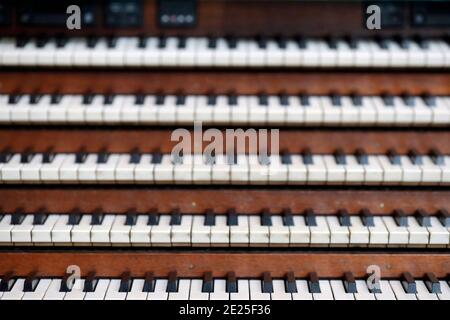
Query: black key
pixel 102 157
pixel 409 100
pixel 142 42
pixel 160 99
pixel 290 284
pixel 21 41
pixel 432 283
pixel 108 99
pixel 162 42
pixel 339 157
pixel 180 100
pixel 422 43
pixel 61 41
pixel 232 218
pixel 131 218
pixel 232 100
pixel 30 283
pixel 284 100
pixel 313 283
pixel 80 157
pixel 264 159
pixel 232 159
pixel 17 217
pixel 39 218
pixel 212 100
pixel 403 43
pixel 90 283
pixel 310 218
pixel 415 157
pixel 139 99
pixel 14 98
pixel 423 218
pixel 429 100
pixel 181 43
pixel 66 285
pixel 383 43
pixel 208 283
pixel 1 217
pixel 281 42
pixel 210 218
pixel 266 219
pixel 267 284
pixel 357 100
pixel 332 43
pixel 172 282
pixel 156 158
pixel 232 285
pixel 7 282
pixel 262 42
pixel 408 283
pixel 5 156
pixel 307 157
pixel 361 157
pixel 97 218
pixel 55 98
pixel 111 42
pixel 26 157
pixel 286 158
pixel 400 218
pixel 394 158
pixel 74 217
pixel 349 283
pixel 437 157
pixel 153 219
pixel 344 218
pixel 444 217
pixel 92 42
pixel 232 42
pixel 125 282
pixel 304 100
pixel 388 100
pixel 367 218
pixel 149 282
pixel 263 100
pixel 352 42
pixel 175 218
pixel 35 98
pixel 87 99
pixel 212 43
pixel 301 42
pixel 135 157
pixel 288 218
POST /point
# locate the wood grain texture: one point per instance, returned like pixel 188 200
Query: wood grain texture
pixel 195 264
pixel 246 81
pixel 198 200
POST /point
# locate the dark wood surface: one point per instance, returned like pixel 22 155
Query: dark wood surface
pixel 195 264
pixel 196 201
pixel 247 81
pixel 123 140
pixel 251 18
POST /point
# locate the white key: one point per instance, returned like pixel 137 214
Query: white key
pixel 111 112
pixel 124 171
pixel 203 110
pixel 220 232
pixel 339 292
pixel 278 232
pixel 320 234
pixel 445 291
pixel 164 171
pixel 256 291
pixel 297 171
pixel 317 171
pixel 354 172
pixel 222 111
pixel 53 291
pixel 196 290
pixel 5 229
pixel 185 113
pixel 16 292
pixel 129 113
pixel 385 113
pixel 160 292
pixel 50 171
pixel 411 173
pixel 279 291
pixel 240 172
pixel 134 55
pixel 140 232
pixel 93 113
pixel 367 112
pixel 204 56
pixel 397 235
pixel 181 234
pixel 295 113
pixel 240 113
pixel 373 172
pixel 423 293
pixel 113 291
pixel 169 54
pixel 39 291
pixel 331 113
pixel 120 233
pixel 183 290
pixel 222 53
pixel 363 291
pixel 161 234
pixel 335 171
pixel 77 292
pixel 431 173
pixel 21 233
pixel 418 235
pixel 299 233
pixel 439 235
pixel 314 112
pixel 220 171
pixel 239 56
pixel 136 292
pixel 105 172
pixel 359 233
pixel 152 54
pixel 278 172
pixel 144 170
pixel 81 233
pixel 100 234
pixel 43 233
pixel 201 170
pixel 76 110
pixel 399 291
pixel 219 292
pixel 339 235
pixel 30 171
pixel 379 234
pixel 240 234
pixel 61 231
pixel 302 291
pixel 87 169
pixel 259 234
pixel 201 234
pixel 100 290
pixel 39 112
pixel 243 292
pixel 148 112
pixel 326 292
pixel 10 171
pixel 386 291
pixel 391 173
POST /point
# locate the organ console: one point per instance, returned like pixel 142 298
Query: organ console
pixel 360 181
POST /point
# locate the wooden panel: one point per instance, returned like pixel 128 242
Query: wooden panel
pixel 250 18
pixel 197 200
pixel 194 264
pixel 219 81
pixel 322 140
